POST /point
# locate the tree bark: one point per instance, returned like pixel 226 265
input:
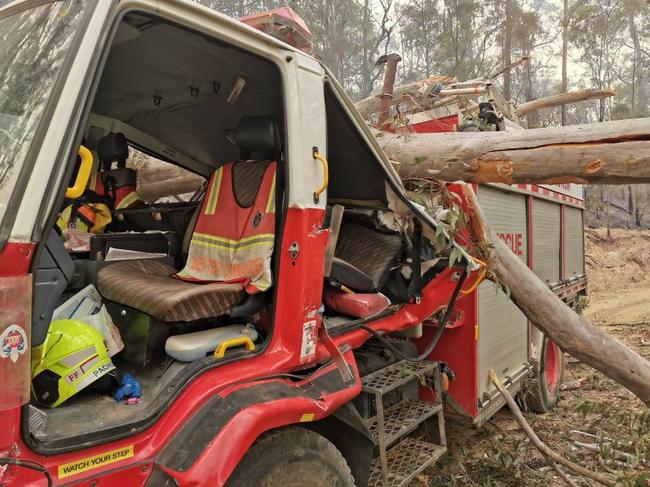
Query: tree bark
pixel 562 99
pixel 156 180
pixel 605 153
pixel 572 333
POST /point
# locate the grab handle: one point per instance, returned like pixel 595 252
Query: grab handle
pixel 326 178
pixel 220 351
pixel 83 175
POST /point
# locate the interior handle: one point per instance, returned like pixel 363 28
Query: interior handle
pixel 220 351
pixel 326 178
pixel 83 175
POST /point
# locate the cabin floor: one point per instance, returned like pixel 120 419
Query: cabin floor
pixel 87 412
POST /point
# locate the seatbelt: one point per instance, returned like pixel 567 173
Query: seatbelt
pixel 417 283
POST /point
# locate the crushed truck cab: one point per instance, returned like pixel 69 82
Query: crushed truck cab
pixel 210 272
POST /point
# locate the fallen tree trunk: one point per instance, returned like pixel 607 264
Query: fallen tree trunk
pixel 160 179
pixel 572 333
pixel 562 99
pixel 602 153
pixel 411 91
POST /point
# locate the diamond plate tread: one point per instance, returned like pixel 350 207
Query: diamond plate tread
pixel 405 461
pixel 402 418
pixel 395 375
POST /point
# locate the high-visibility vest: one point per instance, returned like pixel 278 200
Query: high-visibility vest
pixel 231 243
pixel 121 187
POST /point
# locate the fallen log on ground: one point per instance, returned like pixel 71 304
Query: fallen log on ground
pixel 562 99
pixel 601 153
pixel 553 457
pixel 572 333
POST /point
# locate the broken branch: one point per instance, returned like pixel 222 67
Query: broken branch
pixel 563 99
pixel 541 446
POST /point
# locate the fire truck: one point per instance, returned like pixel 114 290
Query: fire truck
pixel 295 321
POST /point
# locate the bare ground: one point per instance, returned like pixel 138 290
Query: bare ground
pixel 499 454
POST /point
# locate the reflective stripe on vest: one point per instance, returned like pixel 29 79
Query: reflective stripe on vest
pixel 126 197
pixel 231 243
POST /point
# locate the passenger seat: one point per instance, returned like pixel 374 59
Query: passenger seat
pixel 364 258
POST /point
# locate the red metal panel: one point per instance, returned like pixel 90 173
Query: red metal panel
pixel 530 232
pixel 436 125
pixel 458 349
pixel 563 241
pixel 217 462
pixel 15 258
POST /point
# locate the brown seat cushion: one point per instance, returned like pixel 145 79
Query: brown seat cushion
pixel 372 252
pixel 147 286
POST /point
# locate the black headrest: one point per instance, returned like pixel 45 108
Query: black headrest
pixel 113 148
pixel 257 134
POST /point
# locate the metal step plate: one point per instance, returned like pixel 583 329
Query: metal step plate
pixel 402 418
pixel 396 375
pixel 405 461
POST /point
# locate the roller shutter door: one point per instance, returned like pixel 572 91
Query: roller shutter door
pixel 574 243
pixel 546 240
pixel 503 331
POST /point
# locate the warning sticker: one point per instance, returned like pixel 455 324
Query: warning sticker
pixel 85 464
pixel 308 348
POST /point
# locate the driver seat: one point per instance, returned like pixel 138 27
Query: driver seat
pixel 154 288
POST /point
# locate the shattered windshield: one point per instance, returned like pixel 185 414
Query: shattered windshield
pixel 33 46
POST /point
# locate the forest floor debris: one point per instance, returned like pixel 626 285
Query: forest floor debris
pixel 599 412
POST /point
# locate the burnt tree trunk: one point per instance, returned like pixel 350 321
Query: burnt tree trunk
pixel 603 153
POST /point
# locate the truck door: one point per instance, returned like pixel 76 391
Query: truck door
pixel 45 51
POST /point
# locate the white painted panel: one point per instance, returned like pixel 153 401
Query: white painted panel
pixel 574 243
pixel 503 331
pixel 546 240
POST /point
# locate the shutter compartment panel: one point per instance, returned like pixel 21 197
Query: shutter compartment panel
pixel 503 330
pixel 574 243
pixel 546 240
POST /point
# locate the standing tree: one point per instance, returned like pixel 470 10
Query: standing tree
pixel 596 30
pixel 565 54
pixel 506 46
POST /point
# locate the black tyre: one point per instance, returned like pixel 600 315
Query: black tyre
pixel 292 457
pixel 544 393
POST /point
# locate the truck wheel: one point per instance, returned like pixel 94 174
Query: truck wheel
pixel 544 394
pixel 292 457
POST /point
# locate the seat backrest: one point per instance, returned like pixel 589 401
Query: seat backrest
pixel 372 252
pixel 119 183
pixel 234 234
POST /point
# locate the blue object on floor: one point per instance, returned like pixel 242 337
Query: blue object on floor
pixel 129 388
